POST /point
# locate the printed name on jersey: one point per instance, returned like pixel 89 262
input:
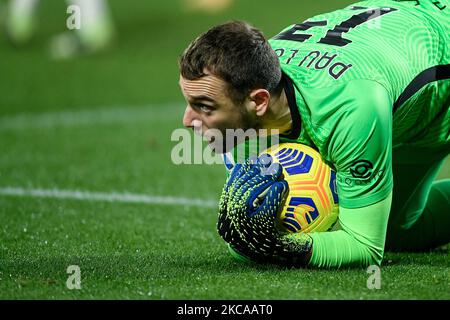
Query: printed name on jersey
pixel 312 60
pixel 333 36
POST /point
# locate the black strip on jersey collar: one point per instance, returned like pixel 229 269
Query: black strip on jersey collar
pixel 435 73
pixel 295 113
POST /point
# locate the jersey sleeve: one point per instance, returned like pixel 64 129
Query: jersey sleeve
pixel 360 146
pixel 359 242
pixel 360 149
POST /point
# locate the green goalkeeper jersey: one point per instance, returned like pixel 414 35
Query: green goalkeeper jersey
pixel 365 80
pixel 361 82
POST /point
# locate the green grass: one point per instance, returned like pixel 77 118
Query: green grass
pixel 134 252
pixel 102 123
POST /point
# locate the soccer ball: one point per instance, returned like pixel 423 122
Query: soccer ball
pixel 312 202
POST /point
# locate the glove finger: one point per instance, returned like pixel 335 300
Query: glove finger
pixel 253 160
pixel 272 200
pixel 227 228
pixel 243 179
pixel 265 160
pixel 272 172
pixel 252 168
pixel 260 184
pixel 234 174
pixel 223 226
pixel 240 169
pixel 258 187
pixel 269 167
pixel 226 231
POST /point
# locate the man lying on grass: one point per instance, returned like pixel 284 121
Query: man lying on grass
pixel 368 84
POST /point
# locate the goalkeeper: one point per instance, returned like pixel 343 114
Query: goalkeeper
pixel 368 86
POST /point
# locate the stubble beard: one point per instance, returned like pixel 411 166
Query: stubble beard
pixel 232 135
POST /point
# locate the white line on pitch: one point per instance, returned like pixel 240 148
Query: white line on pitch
pixel 89 116
pixel 106 197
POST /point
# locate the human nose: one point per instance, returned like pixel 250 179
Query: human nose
pixel 189 117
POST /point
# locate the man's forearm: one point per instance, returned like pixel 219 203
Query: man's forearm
pixel 359 243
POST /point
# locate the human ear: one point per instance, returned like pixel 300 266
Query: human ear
pixel 260 100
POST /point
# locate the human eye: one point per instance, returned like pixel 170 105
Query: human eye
pixel 204 108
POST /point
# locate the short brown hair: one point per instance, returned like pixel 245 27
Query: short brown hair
pixel 237 53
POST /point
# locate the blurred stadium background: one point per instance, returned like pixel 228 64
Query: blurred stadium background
pixel 100 125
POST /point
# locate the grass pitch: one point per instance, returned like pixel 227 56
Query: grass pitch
pixel 102 124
